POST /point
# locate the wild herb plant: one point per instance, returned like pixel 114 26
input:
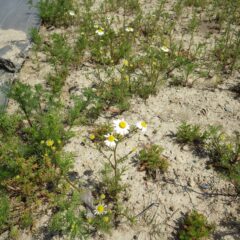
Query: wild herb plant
pixel 191 134
pixel 223 151
pixel 36 38
pixel 195 227
pixel 57 12
pixel 69 218
pixel 32 161
pixel 150 159
pixel 114 168
pixel 226 47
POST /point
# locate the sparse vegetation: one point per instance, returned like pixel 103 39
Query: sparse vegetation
pixel 195 226
pixel 223 151
pixel 126 50
pixel 150 159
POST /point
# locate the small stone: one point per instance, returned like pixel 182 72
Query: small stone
pixel 171 208
pixel 228 109
pixel 190 182
pixel 204 186
pixel 186 148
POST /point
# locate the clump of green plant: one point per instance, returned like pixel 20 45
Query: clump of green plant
pixel 33 165
pixel 59 51
pixel 227 50
pixel 97 134
pixel 195 226
pixel 57 12
pixel 150 159
pixel 69 217
pixel 191 134
pixel 107 94
pixel 227 46
pixel 60 55
pixel 223 151
pixel 36 38
pixel 107 47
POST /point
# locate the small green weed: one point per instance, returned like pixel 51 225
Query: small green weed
pixel 223 151
pixel 69 218
pixel 150 159
pixel 57 12
pixel 59 51
pixel 195 227
pixel 36 38
pixel 191 134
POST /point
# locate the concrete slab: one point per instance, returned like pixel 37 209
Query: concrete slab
pixel 17 17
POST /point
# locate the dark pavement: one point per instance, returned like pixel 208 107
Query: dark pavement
pixel 17 17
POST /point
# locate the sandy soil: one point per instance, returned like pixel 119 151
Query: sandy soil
pixel 188 184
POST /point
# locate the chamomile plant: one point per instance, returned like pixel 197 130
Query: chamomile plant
pixel 113 167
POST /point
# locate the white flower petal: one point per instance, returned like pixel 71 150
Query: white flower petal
pixel 165 49
pixel 71 13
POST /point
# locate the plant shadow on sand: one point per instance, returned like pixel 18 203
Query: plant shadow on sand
pixel 232 229
pixel 236 90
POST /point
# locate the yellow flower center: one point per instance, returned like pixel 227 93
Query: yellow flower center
pixel 127 78
pixel 144 124
pixel 106 219
pixel 125 62
pixel 122 124
pixel 102 196
pixel 49 143
pixel 100 31
pixel 90 220
pixel 92 136
pixel 111 138
pixel 100 208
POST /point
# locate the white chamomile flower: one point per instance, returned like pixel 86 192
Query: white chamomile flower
pixel 142 125
pixel 100 209
pixel 100 32
pixel 71 13
pixel 129 29
pixel 110 140
pixel 121 126
pixel 165 49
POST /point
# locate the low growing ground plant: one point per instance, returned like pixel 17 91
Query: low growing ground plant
pixel 195 227
pixel 223 151
pixel 57 12
pixel 150 159
pixel 191 134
